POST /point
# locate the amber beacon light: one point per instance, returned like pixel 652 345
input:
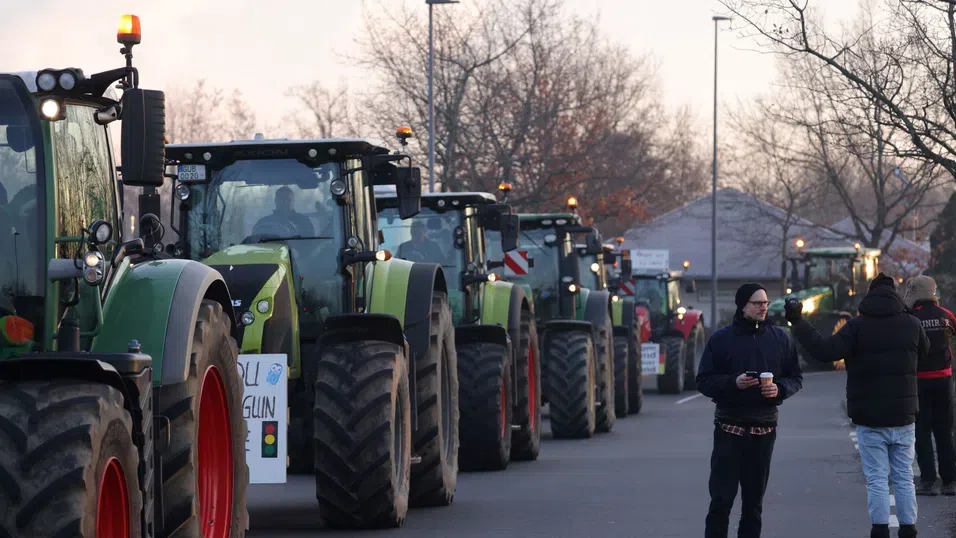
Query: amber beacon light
pixel 129 31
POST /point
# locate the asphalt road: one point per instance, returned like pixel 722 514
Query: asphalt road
pixel 647 478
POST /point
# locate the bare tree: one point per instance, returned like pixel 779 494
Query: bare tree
pixel 208 114
pixel 322 112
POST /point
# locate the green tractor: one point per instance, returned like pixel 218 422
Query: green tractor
pixel 834 281
pixel 604 271
pixel 368 339
pixel 576 335
pixel 121 408
pixel 495 334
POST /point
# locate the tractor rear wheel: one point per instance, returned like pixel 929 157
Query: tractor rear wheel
pixel 205 476
pixel 605 415
pixel 672 380
pixel 67 461
pixel 621 351
pixel 526 442
pixel 696 342
pixel 363 442
pixel 486 400
pixel 436 439
pixel 571 384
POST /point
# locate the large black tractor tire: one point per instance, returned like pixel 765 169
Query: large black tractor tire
pixel 695 345
pixel 60 442
pixel 675 372
pixel 363 435
pixel 486 402
pixel 526 441
pixel 635 383
pixel 571 381
pixel 621 349
pixel 436 440
pixel 604 353
pixel 213 368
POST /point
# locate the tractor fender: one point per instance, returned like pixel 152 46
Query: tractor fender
pixel 347 328
pixel 413 310
pixel 496 304
pixel 492 334
pixel 157 303
pixel 617 313
pixel 597 307
pixel 562 325
pixel 686 325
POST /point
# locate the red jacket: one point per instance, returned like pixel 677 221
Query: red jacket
pixel 939 324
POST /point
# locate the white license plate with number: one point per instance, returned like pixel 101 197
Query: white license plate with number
pixel 189 173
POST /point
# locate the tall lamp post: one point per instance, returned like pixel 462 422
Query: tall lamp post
pixel 431 99
pixel 713 220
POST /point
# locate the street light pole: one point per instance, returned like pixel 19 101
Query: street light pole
pixel 431 99
pixel 713 220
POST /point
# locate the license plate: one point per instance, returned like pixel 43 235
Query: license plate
pixel 192 173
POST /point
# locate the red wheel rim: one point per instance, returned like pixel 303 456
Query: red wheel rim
pixel 112 504
pixel 504 408
pixel 532 391
pixel 215 457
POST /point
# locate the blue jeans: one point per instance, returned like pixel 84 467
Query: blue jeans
pixel 887 456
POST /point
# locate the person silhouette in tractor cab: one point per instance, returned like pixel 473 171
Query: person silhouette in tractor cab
pixel 286 215
pixel 419 248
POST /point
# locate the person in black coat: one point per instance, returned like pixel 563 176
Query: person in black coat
pixel 881 348
pixel 745 418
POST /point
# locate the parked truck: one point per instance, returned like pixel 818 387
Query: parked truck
pixel 120 397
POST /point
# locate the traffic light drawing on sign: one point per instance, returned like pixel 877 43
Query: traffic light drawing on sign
pixel 270 439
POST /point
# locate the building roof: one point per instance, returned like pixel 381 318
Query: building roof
pixel 749 236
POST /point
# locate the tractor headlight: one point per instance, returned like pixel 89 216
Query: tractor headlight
pixel 51 109
pixel 337 187
pixel 573 288
pixel 93 259
pixel 93 275
pixel 182 191
pixel 101 232
pixel 595 267
pixel 262 306
pixel 247 318
pixel 615 298
pixel 46 81
pixel 67 80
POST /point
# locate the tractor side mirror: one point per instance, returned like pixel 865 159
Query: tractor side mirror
pixel 143 137
pixel 593 244
pixel 510 226
pixel 690 285
pixel 409 189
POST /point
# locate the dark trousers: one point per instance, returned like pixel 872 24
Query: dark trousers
pixel 743 460
pixel 935 420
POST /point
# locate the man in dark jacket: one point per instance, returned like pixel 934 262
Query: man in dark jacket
pixel 934 378
pixel 746 415
pixel 881 348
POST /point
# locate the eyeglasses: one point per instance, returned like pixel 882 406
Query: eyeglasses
pixel 759 304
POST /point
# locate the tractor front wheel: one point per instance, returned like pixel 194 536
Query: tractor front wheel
pixel 571 380
pixel 362 427
pixel 484 378
pixel 621 375
pixel 672 380
pixel 526 442
pixel 205 476
pixel 68 461
pixel 606 417
pixel 436 440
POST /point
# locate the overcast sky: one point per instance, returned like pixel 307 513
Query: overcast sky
pixel 264 47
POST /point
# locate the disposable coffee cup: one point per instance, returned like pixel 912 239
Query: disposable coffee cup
pixel 766 378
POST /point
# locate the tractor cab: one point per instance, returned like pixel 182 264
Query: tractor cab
pixel 60 192
pixel 658 288
pixel 617 263
pixel 450 230
pixel 593 267
pixel 249 207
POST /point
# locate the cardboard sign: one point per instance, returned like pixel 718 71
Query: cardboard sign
pixel 650 261
pixel 265 406
pixel 652 363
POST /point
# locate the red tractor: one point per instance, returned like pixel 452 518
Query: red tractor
pixel 676 331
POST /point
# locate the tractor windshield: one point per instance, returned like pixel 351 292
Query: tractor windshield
pixel 652 291
pixel 589 278
pixel 21 266
pixel 427 237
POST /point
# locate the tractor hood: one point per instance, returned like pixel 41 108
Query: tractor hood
pixel 776 306
pixel 247 269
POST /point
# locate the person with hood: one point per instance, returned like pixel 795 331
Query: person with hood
pixel 745 418
pixel 934 379
pixel 881 348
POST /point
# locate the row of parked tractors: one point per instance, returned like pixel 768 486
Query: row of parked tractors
pixel 420 335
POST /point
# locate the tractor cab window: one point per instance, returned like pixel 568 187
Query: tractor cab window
pixel 542 247
pixel 282 201
pixel 589 279
pixel 427 237
pixel 652 291
pixel 673 295
pixel 21 214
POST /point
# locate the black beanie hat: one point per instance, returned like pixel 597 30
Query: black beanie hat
pixel 883 280
pixel 744 293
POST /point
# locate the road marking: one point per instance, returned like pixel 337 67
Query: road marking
pixel 894 522
pixel 689 398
